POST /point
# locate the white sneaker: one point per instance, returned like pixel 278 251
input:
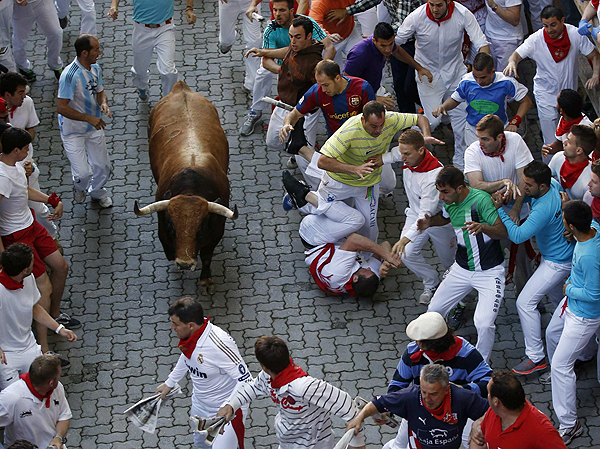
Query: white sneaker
pixel 78 196
pixel 105 202
pixel 426 296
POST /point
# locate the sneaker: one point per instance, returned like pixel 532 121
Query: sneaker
pixel 456 318
pixel 225 48
pixel 57 73
pixel 288 203
pixel 143 94
pixel 64 363
pixel 67 321
pixel 63 22
pixel 291 163
pixel 426 296
pixel 528 366
pixel 78 196
pixel 296 189
pixel 571 433
pixel 546 378
pixel 252 119
pixel 29 75
pixel 105 202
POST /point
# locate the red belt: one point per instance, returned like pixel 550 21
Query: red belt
pixel 158 25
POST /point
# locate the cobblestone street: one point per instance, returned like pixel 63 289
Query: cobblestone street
pixel 120 283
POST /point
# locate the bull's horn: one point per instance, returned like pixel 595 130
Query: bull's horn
pixel 158 206
pixel 219 209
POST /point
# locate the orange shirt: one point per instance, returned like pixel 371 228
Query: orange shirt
pixel 320 8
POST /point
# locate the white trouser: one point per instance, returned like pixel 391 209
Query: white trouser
pixel 548 114
pixel 444 242
pixel 90 165
pixel 470 134
pixel 276 123
pixel 342 48
pixel 88 14
pixel 548 279
pixel 401 440
pixel 44 14
pixel 6 54
pixel 310 170
pixel 388 180
pixel 368 21
pixel 17 363
pixel 365 201
pixel 147 40
pixel 432 95
pixel 41 211
pixel 251 32
pixel 228 439
pixel 501 50
pixel 338 222
pixel 457 283
pixel 573 340
pixel 535 9
pixel 262 88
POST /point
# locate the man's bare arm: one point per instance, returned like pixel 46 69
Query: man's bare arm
pixel 270 65
pixel 332 165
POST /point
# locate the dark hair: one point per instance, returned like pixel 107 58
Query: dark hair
pixel 290 3
pixel 366 286
pixel 375 108
pixel 383 30
pixel 506 387
pixel 3 127
pixel 438 345
pixel 539 172
pixel 585 138
pixel 272 353
pixel 14 138
pixel 413 138
pixel 84 43
pixel 188 310
pixel 305 23
pixel 596 167
pixel 43 369
pixel 329 68
pixel 15 258
pixel 10 82
pixel 22 444
pixel 552 11
pixel 483 61
pixel 450 176
pixel 492 124
pixel 578 214
pixel 570 102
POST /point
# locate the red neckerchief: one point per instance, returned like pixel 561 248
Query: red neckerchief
pixel 569 173
pixel 315 268
pixel 564 127
pixel 443 19
pixel 595 156
pixel 9 282
pixel 444 411
pixel 446 355
pixel 290 373
pixel 595 4
pixel 596 207
pixel 429 162
pixel 2 105
pixel 188 345
pixel 12 111
pixel 500 152
pixel 559 48
pixel 27 380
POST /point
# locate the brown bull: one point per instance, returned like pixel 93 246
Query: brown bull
pixel 189 156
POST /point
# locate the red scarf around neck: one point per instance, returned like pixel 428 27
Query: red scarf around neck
pixel 596 207
pixel 559 48
pixel 500 152
pixel 446 355
pixel 569 173
pixel 595 4
pixel 564 127
pixel 27 380
pixel 443 19
pixel 444 411
pixel 9 282
pixel 290 373
pixel 595 156
pixel 429 162
pixel 188 345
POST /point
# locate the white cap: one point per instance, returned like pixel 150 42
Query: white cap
pixel 429 326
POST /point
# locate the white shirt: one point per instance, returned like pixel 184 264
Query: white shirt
pixel 578 189
pixel 551 77
pixel 14 209
pixel 26 417
pixel 215 368
pixel 16 316
pixel 25 117
pixel 498 28
pixel 438 48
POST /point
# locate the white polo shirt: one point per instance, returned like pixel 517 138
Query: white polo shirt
pixel 26 417
pixel 14 210
pixel 578 189
pixel 497 28
pixel 25 117
pixel 16 315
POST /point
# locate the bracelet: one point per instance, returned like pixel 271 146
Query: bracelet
pixel 516 121
pixel 495 8
pixel 53 200
pixel 191 8
pixel 59 328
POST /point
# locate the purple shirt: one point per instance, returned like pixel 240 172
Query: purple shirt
pixel 366 62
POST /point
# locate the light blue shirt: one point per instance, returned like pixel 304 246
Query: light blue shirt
pixel 583 292
pixel 546 224
pixel 152 12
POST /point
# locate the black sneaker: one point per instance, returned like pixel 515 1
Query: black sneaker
pixel 67 321
pixel 296 189
pixel 29 75
pixel 456 318
pixel 297 139
pixel 63 22
pixel 63 362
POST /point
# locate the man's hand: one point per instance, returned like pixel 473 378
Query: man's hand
pixel 564 198
pixel 190 16
pixel 377 160
pixel 439 110
pixel 423 72
pixel 255 52
pixel 56 442
pixel 58 212
pixel 387 101
pixel 68 334
pixel 21 2
pixel 591 83
pixel 430 140
pixel 512 128
pixel 335 37
pixel 384 269
pixel 512 190
pixel 223 1
pixel 400 247
pixel 337 14
pixel 355 423
pixel 96 122
pixel 2 357
pixel 423 223
pixel 113 13
pixel 511 69
pixel 28 166
pixel 163 390
pixel 226 411
pixel 473 227
pixel 284 131
pixel 365 169
pixel 105 109
pixel 251 9
pixel 497 199
pixel 565 288
pixel 476 435
pixel 584 28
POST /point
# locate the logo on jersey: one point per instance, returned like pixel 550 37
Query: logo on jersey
pixel 244 373
pixel 196 372
pixel 354 100
pixel 422 420
pixel 200 358
pixel 92 85
pixel 287 403
pixel 450 371
pixel 56 402
pixel 26 414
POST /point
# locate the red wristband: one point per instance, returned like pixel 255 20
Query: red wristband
pixel 53 200
pixel 516 121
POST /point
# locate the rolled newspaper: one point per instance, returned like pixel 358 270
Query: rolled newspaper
pixel 144 414
pixel 345 440
pixel 278 103
pixel 210 427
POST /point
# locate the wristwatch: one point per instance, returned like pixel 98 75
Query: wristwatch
pixel 63 440
pixel 495 8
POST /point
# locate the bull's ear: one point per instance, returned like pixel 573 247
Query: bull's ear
pixel 167 195
pixel 218 201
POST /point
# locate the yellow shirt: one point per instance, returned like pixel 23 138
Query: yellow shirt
pixel 352 145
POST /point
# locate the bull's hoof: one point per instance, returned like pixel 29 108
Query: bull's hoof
pixel 208 286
